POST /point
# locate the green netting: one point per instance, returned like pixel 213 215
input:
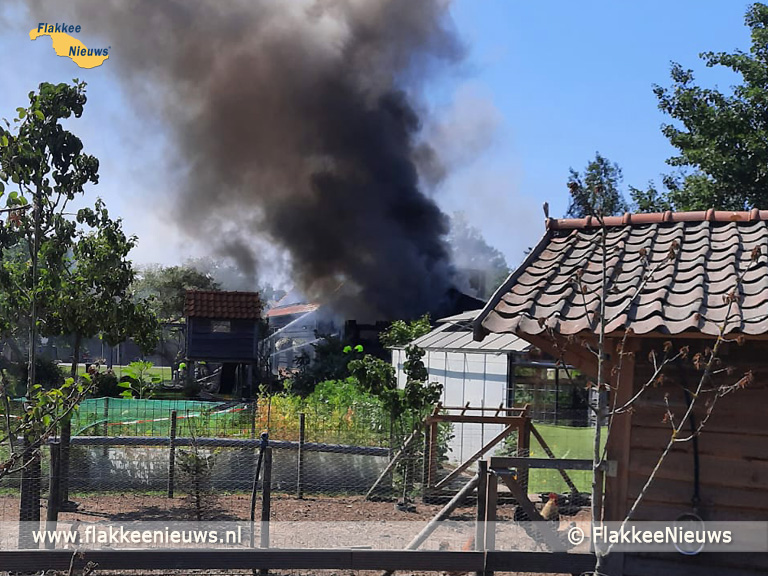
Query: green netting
pixel 130 417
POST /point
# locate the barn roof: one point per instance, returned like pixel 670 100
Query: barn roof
pixel 687 293
pixel 222 305
pixel 454 334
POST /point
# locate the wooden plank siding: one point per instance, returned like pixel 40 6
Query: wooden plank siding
pixel 733 458
pixel 237 345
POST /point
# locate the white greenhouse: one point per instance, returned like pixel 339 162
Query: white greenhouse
pixel 501 371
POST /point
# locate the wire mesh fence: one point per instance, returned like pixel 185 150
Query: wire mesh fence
pixel 138 459
pixel 181 459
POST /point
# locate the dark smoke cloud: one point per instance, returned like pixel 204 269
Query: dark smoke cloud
pixel 298 121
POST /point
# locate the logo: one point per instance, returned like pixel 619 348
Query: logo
pixel 66 45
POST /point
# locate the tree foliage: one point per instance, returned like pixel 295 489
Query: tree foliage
pixel 95 295
pixel 167 285
pixel 377 376
pixel 75 270
pixel 42 169
pixel 401 333
pixel 58 274
pixel 721 138
pixel 597 190
pixel 328 362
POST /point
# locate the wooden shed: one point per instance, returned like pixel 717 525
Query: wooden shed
pixel 222 326
pixel 673 280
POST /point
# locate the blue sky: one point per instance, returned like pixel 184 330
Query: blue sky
pixel 556 81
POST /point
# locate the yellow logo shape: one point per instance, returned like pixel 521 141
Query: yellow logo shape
pixel 70 47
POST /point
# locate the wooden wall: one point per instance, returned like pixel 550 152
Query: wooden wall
pixel 238 345
pixel 733 455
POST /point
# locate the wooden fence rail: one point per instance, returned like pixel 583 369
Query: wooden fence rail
pixel 411 560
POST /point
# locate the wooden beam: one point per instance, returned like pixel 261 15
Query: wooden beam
pixel 548 530
pixel 491 509
pixel 469 461
pixel 190 559
pixel 541 562
pixel 443 514
pixel 541 463
pixel 432 459
pixel 469 408
pixel 524 449
pixel 508 420
pixel 394 461
pixel 573 353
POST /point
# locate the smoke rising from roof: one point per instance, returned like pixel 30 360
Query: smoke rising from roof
pixel 298 121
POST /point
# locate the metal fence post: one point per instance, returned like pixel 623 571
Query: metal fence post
pixel 172 454
pixel 266 501
pixel 254 416
pixel 106 423
pixel 300 459
pixel 54 491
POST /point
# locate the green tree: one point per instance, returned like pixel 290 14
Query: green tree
pixel 597 191
pixel 167 285
pixel 471 252
pixel 377 376
pixel 722 139
pixel 95 296
pixel 42 169
pixel 402 333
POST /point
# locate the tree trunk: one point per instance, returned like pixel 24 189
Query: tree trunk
pixel 29 506
pixel 66 433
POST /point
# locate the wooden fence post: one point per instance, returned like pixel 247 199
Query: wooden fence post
pixel 54 491
pixel 482 495
pixel 300 459
pixel 172 454
pixel 490 513
pixel 432 471
pixel 524 450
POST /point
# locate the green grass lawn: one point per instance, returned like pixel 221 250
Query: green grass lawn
pixel 565 442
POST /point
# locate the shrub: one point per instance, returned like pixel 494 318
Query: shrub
pixel 106 384
pixel 47 374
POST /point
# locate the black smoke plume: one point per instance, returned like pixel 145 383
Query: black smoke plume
pixel 297 121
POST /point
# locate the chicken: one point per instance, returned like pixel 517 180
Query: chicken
pixel 550 510
pixel 468 546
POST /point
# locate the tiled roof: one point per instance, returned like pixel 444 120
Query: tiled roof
pixel 293 309
pixel 687 293
pixel 222 305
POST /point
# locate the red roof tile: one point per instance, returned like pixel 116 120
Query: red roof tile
pixel 684 294
pixel 222 305
pixel 293 309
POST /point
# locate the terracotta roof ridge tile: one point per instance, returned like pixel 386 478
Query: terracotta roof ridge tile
pixel 638 219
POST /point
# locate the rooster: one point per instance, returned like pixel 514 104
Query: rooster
pixel 550 510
